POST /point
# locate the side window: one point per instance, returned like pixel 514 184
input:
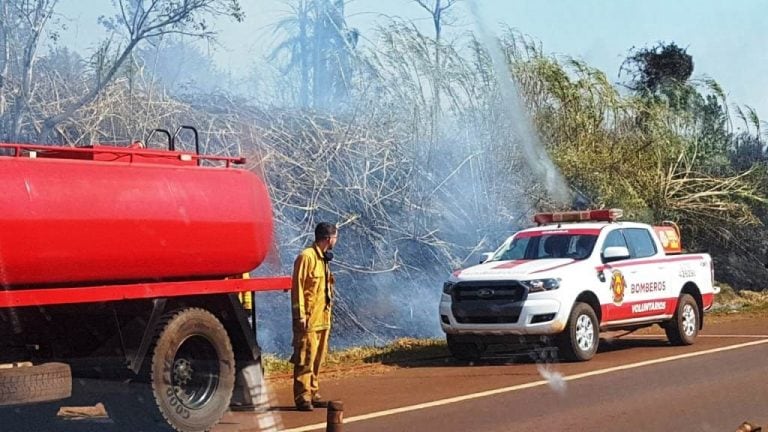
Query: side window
pixel 640 242
pixel 615 238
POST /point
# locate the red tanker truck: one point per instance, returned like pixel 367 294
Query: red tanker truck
pixel 123 265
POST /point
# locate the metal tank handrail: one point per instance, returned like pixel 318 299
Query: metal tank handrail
pixel 32 150
pixel 197 141
pixel 171 144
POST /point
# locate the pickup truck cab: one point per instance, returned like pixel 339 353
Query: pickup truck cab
pixel 574 275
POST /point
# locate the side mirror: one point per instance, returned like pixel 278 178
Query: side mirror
pixel 615 253
pixel 485 256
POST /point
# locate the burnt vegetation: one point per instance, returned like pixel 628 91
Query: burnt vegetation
pixel 401 137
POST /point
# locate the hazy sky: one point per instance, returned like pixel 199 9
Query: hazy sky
pixel 727 39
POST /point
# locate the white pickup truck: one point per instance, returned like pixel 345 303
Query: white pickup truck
pixel 574 275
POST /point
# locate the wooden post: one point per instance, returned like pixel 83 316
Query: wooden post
pixel 335 417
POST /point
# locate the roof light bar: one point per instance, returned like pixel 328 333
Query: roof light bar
pixel 603 215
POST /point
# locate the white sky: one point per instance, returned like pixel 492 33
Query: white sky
pixel 727 39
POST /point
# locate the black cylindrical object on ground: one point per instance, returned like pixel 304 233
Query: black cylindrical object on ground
pixel 335 417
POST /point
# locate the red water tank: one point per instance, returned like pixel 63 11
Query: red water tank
pixel 88 219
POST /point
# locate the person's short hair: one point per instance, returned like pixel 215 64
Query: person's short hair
pixel 324 230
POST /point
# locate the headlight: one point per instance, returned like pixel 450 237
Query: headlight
pixel 539 285
pixel 448 287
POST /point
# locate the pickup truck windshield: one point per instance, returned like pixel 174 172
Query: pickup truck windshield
pixel 525 246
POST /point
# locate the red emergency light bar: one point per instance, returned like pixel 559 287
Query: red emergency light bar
pixel 603 215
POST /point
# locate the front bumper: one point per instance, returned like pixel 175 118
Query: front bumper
pixel 534 317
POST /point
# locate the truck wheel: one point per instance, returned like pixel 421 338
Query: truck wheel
pixel 191 378
pixel 581 336
pixel 467 351
pixel 193 370
pixel 41 383
pixel 683 328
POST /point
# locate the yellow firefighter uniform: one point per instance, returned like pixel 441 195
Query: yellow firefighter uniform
pixel 311 298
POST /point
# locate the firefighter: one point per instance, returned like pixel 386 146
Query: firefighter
pixel 311 300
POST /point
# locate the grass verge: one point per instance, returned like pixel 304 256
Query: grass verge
pixel 742 302
pixel 400 351
pixel 403 351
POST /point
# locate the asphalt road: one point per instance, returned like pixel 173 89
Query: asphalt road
pixel 635 383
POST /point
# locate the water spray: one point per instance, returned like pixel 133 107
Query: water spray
pixel 526 138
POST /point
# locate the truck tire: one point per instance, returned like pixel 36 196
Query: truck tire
pixel 41 383
pixel 581 336
pixel 683 328
pixel 462 350
pixel 191 378
pixel 193 370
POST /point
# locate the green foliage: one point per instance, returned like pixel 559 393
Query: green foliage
pixel 657 68
pixel 670 157
pixel 664 152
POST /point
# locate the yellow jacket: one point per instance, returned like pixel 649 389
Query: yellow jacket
pixel 312 290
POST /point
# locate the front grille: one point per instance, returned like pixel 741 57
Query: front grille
pixel 487 302
pixel 501 319
pixel 512 293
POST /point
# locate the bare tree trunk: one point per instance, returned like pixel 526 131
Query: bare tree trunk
pixel 436 10
pixel 147 22
pixel 36 18
pixel 318 69
pixel 50 123
pixel 436 18
pixel 4 57
pixel 304 54
pixel 342 52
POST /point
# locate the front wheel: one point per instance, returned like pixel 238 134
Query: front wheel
pixel 683 328
pixel 464 350
pixel 581 336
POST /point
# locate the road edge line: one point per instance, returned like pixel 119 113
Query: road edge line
pixel 517 387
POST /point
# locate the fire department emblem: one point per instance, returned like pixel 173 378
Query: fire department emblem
pixel 618 286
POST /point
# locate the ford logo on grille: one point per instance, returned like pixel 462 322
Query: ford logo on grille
pixel 484 293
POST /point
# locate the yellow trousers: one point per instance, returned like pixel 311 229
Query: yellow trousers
pixel 309 350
